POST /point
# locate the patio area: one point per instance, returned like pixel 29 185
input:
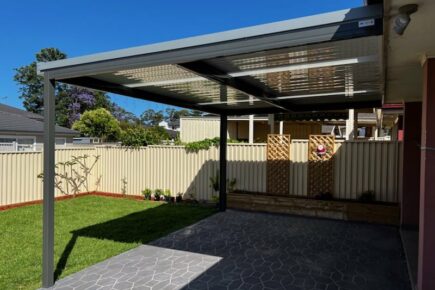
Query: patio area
pixel 242 250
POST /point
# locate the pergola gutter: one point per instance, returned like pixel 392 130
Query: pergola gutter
pixel 322 28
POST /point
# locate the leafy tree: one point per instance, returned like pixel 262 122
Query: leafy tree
pixel 98 123
pixel 141 136
pixel 71 101
pixel 195 113
pixel 122 115
pixel 134 136
pixel 172 116
pixel 157 135
pixel 151 117
pixel 31 84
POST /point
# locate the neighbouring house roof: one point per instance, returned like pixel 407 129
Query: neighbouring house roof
pixel 13 120
pixel 27 114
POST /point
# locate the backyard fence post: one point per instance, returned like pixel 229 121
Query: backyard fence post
pixel 48 195
pixel 223 164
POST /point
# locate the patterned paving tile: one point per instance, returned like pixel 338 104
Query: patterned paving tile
pixel 241 250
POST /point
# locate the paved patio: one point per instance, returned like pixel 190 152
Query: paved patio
pixel 242 250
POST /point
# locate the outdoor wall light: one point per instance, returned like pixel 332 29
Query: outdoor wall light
pixel 402 20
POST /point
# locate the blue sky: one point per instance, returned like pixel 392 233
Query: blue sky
pixel 79 27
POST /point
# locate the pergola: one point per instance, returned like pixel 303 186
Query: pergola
pixel 330 61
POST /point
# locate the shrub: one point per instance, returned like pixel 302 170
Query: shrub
pixel 232 184
pixel 158 193
pixel 215 198
pixel 367 196
pixel 324 196
pixel 179 197
pixel 140 136
pixel 134 137
pixel 147 193
pixel 168 195
pixel 98 123
pixel 202 145
pixel 215 184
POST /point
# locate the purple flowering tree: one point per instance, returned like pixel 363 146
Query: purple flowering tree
pixel 80 100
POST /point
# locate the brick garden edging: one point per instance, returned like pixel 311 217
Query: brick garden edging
pixel 333 209
pixel 64 197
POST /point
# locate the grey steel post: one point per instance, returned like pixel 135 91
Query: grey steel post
pixel 223 164
pixel 48 196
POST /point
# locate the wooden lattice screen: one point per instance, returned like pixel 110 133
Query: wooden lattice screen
pixel 278 164
pixel 321 164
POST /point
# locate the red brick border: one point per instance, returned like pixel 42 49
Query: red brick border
pixel 97 193
pixel 116 195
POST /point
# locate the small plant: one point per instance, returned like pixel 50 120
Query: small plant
pixel 215 184
pixel 124 186
pixel 179 197
pixel 215 198
pixel 168 195
pixel 158 193
pixel 367 196
pixel 232 184
pixel 147 193
pixel 192 197
pixel 324 196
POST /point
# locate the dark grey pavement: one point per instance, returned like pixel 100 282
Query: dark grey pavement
pixel 241 250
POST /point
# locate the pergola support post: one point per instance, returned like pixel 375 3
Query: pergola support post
pixel 426 250
pixel 223 163
pixel 251 129
pixel 48 195
pixel 271 122
pixel 410 201
pixel 352 125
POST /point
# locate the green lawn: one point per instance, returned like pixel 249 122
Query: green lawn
pixel 87 230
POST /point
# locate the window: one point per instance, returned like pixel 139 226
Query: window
pixel 60 141
pixel 7 139
pixel 25 141
pixel 22 143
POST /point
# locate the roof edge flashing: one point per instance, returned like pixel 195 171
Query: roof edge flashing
pixel 302 23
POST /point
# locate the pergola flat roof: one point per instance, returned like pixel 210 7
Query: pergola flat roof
pixel 327 61
pixel 324 62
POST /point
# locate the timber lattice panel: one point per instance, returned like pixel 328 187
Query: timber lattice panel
pixel 278 164
pixel 321 166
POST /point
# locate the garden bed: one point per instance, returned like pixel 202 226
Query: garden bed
pixel 382 213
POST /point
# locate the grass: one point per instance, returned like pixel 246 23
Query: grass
pixel 87 230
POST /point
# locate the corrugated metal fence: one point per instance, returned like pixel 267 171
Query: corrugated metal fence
pixel 359 167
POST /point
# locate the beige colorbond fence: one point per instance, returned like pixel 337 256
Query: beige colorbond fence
pixel 180 171
pixel 19 171
pixel 359 166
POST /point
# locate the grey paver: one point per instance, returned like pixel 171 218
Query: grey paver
pixel 241 250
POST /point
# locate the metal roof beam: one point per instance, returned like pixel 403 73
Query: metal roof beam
pixel 214 74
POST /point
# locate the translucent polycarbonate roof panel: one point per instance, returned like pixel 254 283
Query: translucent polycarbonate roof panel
pixel 350 66
pixel 180 83
pixel 334 72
